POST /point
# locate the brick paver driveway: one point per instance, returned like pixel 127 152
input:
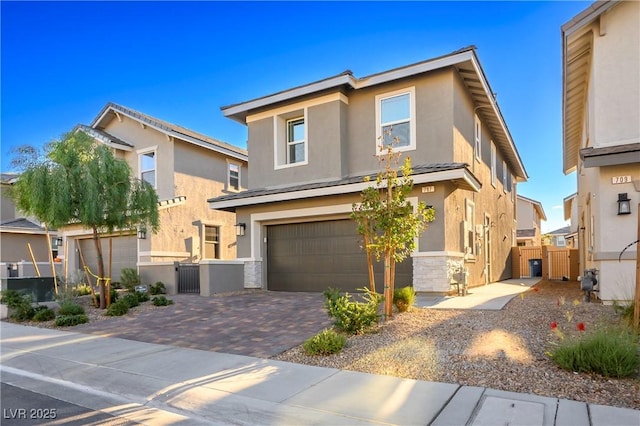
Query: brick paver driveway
pixel 260 324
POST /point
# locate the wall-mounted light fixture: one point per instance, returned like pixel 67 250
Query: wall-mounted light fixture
pixel 240 228
pixel 624 204
pixel 59 241
pixel 142 234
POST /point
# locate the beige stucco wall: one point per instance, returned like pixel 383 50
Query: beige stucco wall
pixel 7 206
pixel 13 247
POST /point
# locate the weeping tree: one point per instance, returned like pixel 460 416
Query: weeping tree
pixel 76 180
pixel 388 222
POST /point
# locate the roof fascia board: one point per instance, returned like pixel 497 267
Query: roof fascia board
pixel 19 230
pixel 587 16
pixel 457 174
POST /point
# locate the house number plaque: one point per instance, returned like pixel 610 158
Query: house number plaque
pixel 620 179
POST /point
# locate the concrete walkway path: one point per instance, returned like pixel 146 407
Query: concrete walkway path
pixel 156 384
pixel 492 296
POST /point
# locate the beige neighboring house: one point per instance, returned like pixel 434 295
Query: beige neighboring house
pixel 185 168
pixel 570 207
pixel 530 215
pixel 17 234
pixel 601 138
pixel 311 146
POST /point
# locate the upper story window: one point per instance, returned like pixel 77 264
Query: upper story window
pixel 494 172
pixel 477 137
pixel 295 140
pixel 504 176
pixel 395 120
pixel 147 162
pixel 233 177
pixel 291 139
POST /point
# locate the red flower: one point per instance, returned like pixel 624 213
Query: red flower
pixel 536 289
pixel 554 325
pixel 580 326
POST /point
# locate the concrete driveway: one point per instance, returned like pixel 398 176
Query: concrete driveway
pixel 260 324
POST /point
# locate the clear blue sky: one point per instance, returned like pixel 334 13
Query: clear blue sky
pixel 181 61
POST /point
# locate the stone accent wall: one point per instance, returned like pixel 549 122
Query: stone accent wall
pixel 252 274
pixel 430 273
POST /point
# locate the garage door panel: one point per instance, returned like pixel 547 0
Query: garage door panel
pixel 123 254
pixel 316 255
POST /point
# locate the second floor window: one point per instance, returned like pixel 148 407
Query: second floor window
pixel 477 137
pixel 148 167
pixel 395 116
pixel 494 172
pixel 295 140
pixel 234 177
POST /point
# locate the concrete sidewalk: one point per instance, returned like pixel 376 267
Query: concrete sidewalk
pixel 492 296
pixel 156 384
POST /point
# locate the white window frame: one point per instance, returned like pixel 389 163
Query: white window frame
pixel 494 177
pixel 513 188
pixel 143 152
pixel 477 137
pixel 239 166
pixel 469 228
pixel 217 245
pixel 280 138
pixel 504 176
pixel 411 91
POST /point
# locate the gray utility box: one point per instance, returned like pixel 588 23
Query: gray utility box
pixel 40 288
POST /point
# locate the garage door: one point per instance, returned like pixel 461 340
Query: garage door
pixel 313 256
pixel 123 254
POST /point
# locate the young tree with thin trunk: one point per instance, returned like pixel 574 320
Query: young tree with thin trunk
pixel 388 222
pixel 77 180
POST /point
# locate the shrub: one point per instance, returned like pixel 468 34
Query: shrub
pixel 611 352
pixel 351 316
pixel 129 279
pixel 161 301
pixel 326 342
pixel 142 297
pixel 83 290
pixel 131 300
pixel 625 311
pixel 70 308
pixel 157 288
pixel 404 298
pixel 44 314
pixel 116 284
pixel 114 296
pixel 19 303
pixel 71 320
pixel 118 309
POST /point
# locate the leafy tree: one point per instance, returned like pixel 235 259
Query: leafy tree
pixel 78 180
pixel 388 221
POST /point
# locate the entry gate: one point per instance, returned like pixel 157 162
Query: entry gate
pixel 188 278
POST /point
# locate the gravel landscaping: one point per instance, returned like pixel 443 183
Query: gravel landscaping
pixel 496 349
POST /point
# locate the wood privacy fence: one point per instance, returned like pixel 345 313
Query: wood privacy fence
pixel 548 262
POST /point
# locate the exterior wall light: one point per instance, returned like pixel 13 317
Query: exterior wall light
pixel 142 234
pixel 240 228
pixel 59 242
pixel 624 204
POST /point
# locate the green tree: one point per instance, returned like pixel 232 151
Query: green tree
pixel 77 180
pixel 388 222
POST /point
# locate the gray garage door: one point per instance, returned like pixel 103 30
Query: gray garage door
pixel 316 255
pixel 123 254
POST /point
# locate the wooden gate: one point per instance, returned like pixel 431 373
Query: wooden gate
pixel 188 278
pixel 558 264
pixel 548 262
pixel 523 259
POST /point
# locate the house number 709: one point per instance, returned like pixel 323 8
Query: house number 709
pixel 620 179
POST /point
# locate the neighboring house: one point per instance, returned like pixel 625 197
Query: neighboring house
pixel 311 146
pixel 570 206
pixel 530 215
pixel 185 167
pixel 558 237
pixel 601 138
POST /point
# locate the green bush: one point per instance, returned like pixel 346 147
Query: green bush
pixel 611 352
pixel 114 296
pixel 82 290
pixel 157 288
pixel 19 303
pixel 161 301
pixel 404 298
pixel 351 316
pixel 326 342
pixel 129 279
pixel 71 320
pixel 70 308
pixel 118 309
pixel 44 314
pixel 131 300
pixel 625 311
pixel 142 297
pixel 116 284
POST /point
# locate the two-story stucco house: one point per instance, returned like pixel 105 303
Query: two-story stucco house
pixel 311 146
pixel 185 167
pixel 601 137
pixel 529 216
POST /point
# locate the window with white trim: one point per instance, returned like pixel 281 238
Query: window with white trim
pixel 477 137
pixel 469 228
pixel 233 176
pixel 211 242
pixel 147 161
pixel 494 176
pixel 513 188
pixel 395 120
pixel 504 176
pixel 291 139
